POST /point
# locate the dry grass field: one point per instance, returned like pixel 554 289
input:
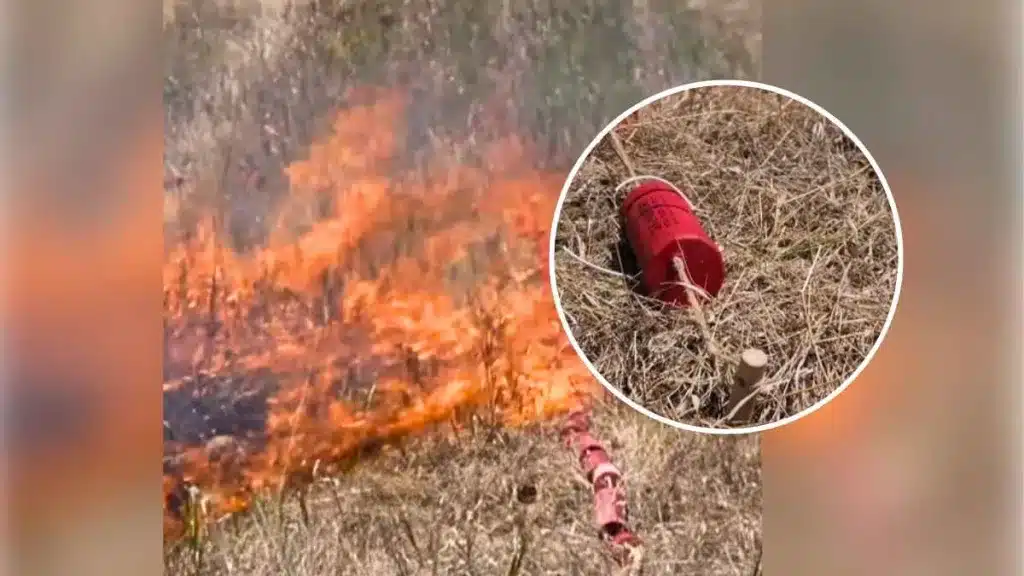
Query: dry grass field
pixel 364 372
pixel 809 242
pixel 505 503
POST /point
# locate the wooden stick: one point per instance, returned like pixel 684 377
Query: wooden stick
pixel 696 310
pixel 748 374
pixel 752 362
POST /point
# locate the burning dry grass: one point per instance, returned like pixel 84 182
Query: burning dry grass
pixel 389 316
pixel 408 330
pixel 503 502
pixel 809 242
pixel 361 348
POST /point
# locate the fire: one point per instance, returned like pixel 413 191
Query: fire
pixel 419 303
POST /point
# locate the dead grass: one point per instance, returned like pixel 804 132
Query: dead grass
pixel 808 237
pixel 248 85
pixel 472 505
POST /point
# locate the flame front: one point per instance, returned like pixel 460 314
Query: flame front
pixel 420 301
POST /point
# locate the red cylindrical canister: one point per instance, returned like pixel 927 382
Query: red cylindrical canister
pixel 660 225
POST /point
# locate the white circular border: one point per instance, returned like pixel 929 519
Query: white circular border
pixel 899 253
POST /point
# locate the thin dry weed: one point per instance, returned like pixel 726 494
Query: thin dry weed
pixel 809 240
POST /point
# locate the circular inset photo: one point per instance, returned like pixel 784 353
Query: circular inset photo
pixel 726 257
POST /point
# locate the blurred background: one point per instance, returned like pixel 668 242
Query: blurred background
pixel 913 470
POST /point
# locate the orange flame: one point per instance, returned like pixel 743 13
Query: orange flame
pixel 431 282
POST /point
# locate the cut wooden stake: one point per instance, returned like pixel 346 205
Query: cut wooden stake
pixel 748 374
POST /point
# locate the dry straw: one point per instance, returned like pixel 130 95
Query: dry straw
pixel 809 241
